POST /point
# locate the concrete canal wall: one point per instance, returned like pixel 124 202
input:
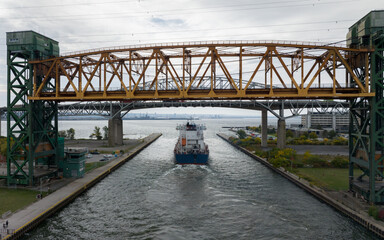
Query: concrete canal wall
pixel 363 219
pixel 28 218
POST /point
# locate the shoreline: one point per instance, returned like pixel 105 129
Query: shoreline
pixel 30 217
pixel 360 217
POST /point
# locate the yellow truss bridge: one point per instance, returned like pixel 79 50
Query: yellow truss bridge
pixel 205 70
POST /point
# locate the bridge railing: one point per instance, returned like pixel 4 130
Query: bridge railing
pixel 205 43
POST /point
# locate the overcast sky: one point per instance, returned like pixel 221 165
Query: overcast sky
pixel 87 24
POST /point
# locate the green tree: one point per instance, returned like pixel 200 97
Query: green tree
pixel 340 162
pixel 304 136
pixel 289 134
pixel 271 130
pixel 105 129
pixel 71 133
pixel 332 134
pixel 312 135
pixel 96 133
pixel 63 133
pixel 3 145
pixel 241 134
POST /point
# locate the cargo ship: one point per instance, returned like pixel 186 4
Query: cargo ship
pixel 190 147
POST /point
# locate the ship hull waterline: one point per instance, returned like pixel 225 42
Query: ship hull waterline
pixel 197 159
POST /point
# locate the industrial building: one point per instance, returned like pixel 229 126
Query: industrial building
pixel 335 121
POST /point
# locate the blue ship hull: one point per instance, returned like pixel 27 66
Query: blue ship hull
pixel 192 158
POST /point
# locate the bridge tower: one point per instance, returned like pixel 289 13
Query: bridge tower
pixel 366 134
pixel 32 126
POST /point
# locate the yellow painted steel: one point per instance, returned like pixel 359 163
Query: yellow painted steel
pixel 208 70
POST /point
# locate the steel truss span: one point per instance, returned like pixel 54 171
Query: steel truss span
pixel 296 107
pixel 205 70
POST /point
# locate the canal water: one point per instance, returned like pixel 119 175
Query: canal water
pixel 234 197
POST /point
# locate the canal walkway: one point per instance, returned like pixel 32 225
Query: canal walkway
pixel 24 220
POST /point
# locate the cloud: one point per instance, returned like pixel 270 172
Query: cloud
pixel 167 22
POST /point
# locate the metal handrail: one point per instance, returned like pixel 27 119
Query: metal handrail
pixel 204 43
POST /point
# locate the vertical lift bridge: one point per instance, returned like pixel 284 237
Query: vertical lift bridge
pixel 34 70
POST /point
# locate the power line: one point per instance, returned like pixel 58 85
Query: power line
pixel 65 5
pixel 216 29
pixel 112 2
pixel 237 35
pixel 222 36
pixel 203 30
pixel 183 11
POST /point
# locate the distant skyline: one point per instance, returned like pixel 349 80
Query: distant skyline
pixel 83 24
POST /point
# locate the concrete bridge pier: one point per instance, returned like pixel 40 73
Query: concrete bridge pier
pixel 281 131
pixel 115 128
pixel 264 128
pixel 281 128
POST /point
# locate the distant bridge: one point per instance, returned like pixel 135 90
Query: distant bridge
pixel 106 108
pixel 295 106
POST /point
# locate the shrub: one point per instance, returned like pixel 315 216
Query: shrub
pixel 339 162
pixel 315 161
pixel 272 153
pixel 241 133
pixel 306 155
pixel 261 153
pixel 340 141
pixel 312 135
pixel 281 157
pixel 62 133
pixel 254 129
pixel 332 134
pixel 304 136
pixel 289 133
pixel 280 162
pixel 373 211
pixel 287 153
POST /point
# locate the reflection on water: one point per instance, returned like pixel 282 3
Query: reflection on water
pixel 233 197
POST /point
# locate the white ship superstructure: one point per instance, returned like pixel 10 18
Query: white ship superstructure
pixel 190 147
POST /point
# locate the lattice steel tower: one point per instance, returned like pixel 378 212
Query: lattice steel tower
pixel 366 132
pixel 32 125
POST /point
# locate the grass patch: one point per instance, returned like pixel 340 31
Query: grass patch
pixel 14 199
pixel 93 165
pixel 326 178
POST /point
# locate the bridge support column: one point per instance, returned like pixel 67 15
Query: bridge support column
pixel 264 128
pixel 281 131
pixel 115 130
